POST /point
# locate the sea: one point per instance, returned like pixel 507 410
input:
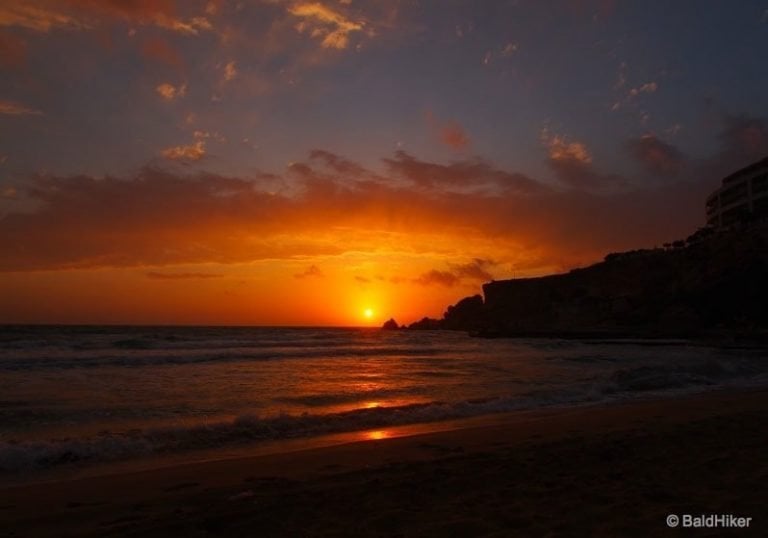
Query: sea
pixel 78 398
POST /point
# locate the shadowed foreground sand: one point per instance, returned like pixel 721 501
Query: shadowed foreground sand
pixel 601 471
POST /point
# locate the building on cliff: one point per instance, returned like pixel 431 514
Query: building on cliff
pixel 743 196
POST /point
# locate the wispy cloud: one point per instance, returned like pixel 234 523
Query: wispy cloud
pixel 629 97
pixel 339 206
pixel 230 71
pixel 509 49
pixel 474 271
pixel 472 174
pixel 36 16
pixel 161 14
pixel 562 150
pixel 42 16
pixel 13 108
pixel 169 92
pixel 190 153
pixel 648 87
pixel 436 277
pixel 572 163
pixel 321 22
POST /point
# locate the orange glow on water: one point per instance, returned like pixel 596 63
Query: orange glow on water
pixel 378 435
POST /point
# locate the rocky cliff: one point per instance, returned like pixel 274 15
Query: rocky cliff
pixel 709 283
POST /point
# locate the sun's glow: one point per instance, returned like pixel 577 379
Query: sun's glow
pixel 368 313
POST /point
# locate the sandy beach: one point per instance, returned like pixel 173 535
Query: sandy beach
pixel 616 470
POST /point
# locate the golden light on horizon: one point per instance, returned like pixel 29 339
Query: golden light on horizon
pixel 377 435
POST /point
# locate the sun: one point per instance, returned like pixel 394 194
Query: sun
pixel 368 313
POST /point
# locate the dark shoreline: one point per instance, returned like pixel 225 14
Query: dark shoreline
pixel 718 339
pixel 602 471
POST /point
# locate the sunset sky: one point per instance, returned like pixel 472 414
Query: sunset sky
pixel 293 162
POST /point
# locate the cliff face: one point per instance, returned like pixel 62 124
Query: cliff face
pixel 719 282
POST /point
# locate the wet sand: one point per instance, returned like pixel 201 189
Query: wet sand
pixel 610 471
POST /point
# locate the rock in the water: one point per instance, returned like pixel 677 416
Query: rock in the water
pixel 390 324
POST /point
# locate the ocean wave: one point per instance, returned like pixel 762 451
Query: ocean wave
pixel 248 428
pixel 673 376
pixel 137 354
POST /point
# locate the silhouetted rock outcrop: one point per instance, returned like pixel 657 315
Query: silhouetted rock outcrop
pixel 390 324
pixel 711 284
pixel 466 314
pixel 426 324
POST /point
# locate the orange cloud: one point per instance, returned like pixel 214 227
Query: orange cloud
pixel 230 71
pixel 43 16
pixel 321 22
pixel 190 153
pixel 334 210
pixel 170 92
pixel 36 16
pixel 13 108
pixel 160 13
pixel 561 150
pixel 572 163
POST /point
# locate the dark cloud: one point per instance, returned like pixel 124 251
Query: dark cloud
pixel 743 140
pixel 161 218
pixel 467 173
pixel 476 271
pixel 745 136
pixel 338 164
pixel 442 278
pixel 656 156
